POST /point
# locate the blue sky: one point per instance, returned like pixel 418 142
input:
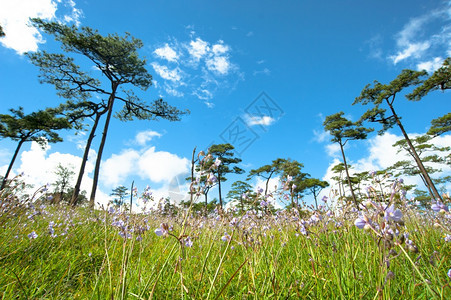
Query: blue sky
pixel 273 69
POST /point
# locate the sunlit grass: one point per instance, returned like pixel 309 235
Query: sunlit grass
pixel 264 257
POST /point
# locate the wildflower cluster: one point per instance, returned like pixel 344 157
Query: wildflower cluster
pixel 384 219
pixel 128 225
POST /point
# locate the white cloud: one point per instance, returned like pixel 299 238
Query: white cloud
pixel 118 167
pixel 431 65
pixel 219 64
pixel 255 120
pixel 209 104
pixel 220 48
pixel 218 59
pixel 333 150
pixel 411 30
pixel 265 71
pixel 412 49
pixel 375 46
pixel 161 166
pixel 198 49
pixel 148 164
pixel 39 167
pixel 146 136
pixel 75 14
pixel 382 155
pixel 165 73
pixel 320 135
pixel 173 92
pixel 203 94
pixel 15 15
pixel 167 53
pixel 206 69
pixel 156 166
pixel 424 36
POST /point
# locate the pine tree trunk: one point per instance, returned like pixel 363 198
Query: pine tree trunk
pixel 5 179
pixel 339 186
pixel 219 189
pixel 76 192
pixel 435 194
pixel 267 183
pixel 206 203
pixel 347 175
pixel 315 197
pixel 102 145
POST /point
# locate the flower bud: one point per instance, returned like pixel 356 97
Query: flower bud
pixel 393 252
pixel 390 275
pixel 413 248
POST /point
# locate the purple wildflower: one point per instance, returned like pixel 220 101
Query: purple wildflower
pixel 163 230
pixel 303 230
pixel 393 214
pixel 362 222
pixel 439 207
pixel 226 237
pixel 188 242
pixel 32 235
pixel 212 178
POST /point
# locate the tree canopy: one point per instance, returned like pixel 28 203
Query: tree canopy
pixel 41 127
pixel 225 158
pixel 439 80
pixel 267 171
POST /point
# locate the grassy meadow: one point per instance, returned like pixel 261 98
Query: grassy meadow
pixel 379 251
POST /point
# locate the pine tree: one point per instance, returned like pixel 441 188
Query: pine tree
pixel 343 130
pixel 40 127
pixel 377 95
pixel 119 64
pixel 225 155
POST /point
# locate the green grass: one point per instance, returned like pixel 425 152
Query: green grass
pixel 88 259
